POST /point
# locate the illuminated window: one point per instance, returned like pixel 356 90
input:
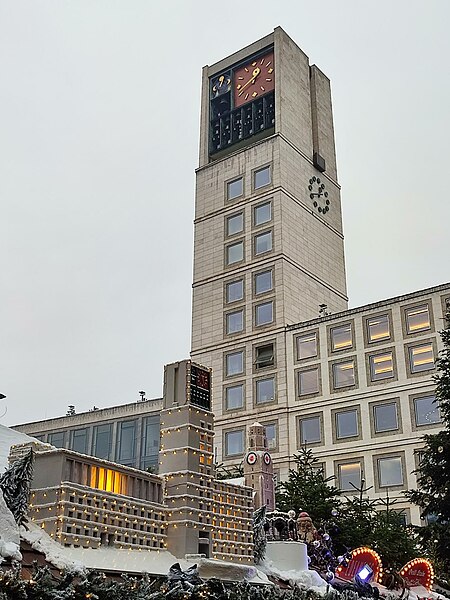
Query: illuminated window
pixel 235 188
pixel 234 291
pixel 235 224
pixel 235 321
pixel 308 381
pixel 421 358
pixel 234 397
pixel 234 442
pixel 344 374
pixel 263 282
pixel 385 417
pixel 390 471
pixel 310 430
pixel 262 213
pixel 307 346
pixel 235 253
pixel 378 328
pixel 263 242
pixel 426 411
pixel 264 356
pixel 417 319
pixel 108 480
pixel 349 476
pixel 381 366
pixel 264 313
pixel 341 337
pixel 265 390
pixel 261 177
pixel 234 363
pixel 346 424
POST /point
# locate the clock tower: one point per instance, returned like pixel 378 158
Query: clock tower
pixel 268 240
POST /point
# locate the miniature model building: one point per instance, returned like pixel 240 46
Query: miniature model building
pixel 80 500
pixel 258 468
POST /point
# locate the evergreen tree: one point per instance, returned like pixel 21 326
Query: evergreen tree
pixel 307 489
pixel 15 485
pixel 433 494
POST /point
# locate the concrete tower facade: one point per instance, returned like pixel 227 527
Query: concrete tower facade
pixel 268 242
pixel 258 468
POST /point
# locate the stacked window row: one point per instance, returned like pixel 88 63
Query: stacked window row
pixel 380 364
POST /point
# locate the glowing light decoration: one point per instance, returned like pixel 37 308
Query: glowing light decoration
pixel 418 572
pixel 361 557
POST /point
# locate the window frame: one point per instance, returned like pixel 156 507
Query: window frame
pixel 316 356
pixel 350 461
pixel 372 414
pixel 256 347
pixel 255 313
pixel 225 291
pixel 298 372
pixel 258 380
pixel 235 384
pixel 226 432
pixel 410 307
pixel 332 328
pixel 275 424
pixel 228 182
pixel 335 363
pixel 308 417
pixel 229 235
pixel 259 273
pixel 370 366
pixel 240 309
pixel 259 205
pixel 367 318
pixel 235 242
pixel 377 471
pixel 408 356
pixel 259 235
pixel 413 413
pixel 263 167
pixel 349 438
pixel 225 361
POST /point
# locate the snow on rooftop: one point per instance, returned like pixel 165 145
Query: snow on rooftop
pixel 9 437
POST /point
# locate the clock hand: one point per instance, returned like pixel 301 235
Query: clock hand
pixel 255 74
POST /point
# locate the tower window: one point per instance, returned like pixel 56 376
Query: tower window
pixel 234 442
pixel 263 282
pixel 262 177
pixel 234 291
pixel 385 417
pixel 346 424
pixel 417 319
pixel 235 224
pixel 265 390
pixel 263 242
pixel 235 253
pixel 264 313
pixel 341 337
pixel 344 374
pixel 235 188
pixel 349 476
pixel 307 346
pixel 390 471
pixel 310 430
pixel 234 363
pixel 234 321
pixel 234 397
pixel 262 213
pixel 426 411
pixel 308 381
pixel 264 356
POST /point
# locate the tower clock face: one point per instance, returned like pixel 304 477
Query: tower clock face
pixel 254 79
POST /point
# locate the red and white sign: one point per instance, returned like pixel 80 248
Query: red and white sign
pixel 361 557
pixel 418 572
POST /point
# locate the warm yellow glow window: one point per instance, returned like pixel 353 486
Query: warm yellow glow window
pixel 417 319
pixel 421 358
pixel 381 366
pixel 378 328
pixel 108 480
pixel 341 337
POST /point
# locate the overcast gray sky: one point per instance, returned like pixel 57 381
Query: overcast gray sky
pixel 99 117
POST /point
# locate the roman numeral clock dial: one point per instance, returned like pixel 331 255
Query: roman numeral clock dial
pixel 254 79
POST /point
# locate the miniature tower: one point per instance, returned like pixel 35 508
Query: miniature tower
pixel 258 468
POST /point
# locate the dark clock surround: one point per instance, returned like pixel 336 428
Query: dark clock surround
pixel 231 126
